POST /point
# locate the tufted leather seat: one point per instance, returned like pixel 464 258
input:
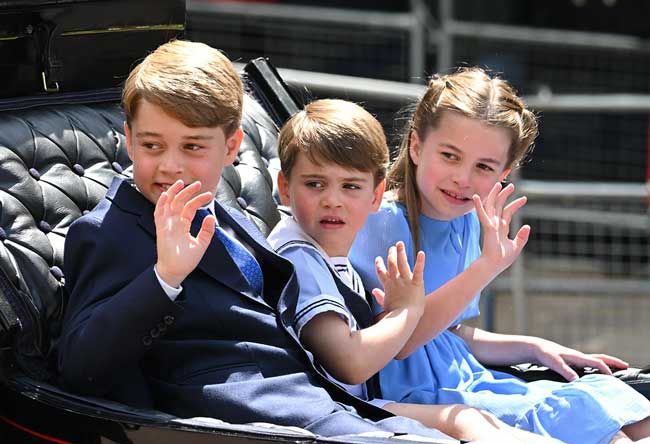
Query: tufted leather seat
pixel 56 163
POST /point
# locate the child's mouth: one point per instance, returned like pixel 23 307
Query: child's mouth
pixel 331 222
pixel 455 197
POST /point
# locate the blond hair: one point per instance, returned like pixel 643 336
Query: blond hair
pixel 337 131
pixel 190 81
pixel 472 93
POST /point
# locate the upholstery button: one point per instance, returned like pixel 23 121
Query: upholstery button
pixel 242 202
pixel 56 272
pixel 44 227
pixel 169 319
pixel 146 340
pixel 154 333
pixel 3 235
pixel 78 169
pixel 117 167
pixel 35 174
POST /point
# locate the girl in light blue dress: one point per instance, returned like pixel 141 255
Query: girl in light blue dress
pixel 466 134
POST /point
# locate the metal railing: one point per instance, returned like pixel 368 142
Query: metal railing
pixel 423 29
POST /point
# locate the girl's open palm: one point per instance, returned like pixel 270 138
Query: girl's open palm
pixel 495 217
pixel 178 251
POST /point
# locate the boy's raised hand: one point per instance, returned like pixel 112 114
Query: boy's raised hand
pixel 402 288
pixel 495 217
pixel 178 251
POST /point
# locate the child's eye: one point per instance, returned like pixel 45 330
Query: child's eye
pixel 314 184
pixel 485 167
pixel 449 156
pixel 192 147
pixel 351 186
pixel 150 145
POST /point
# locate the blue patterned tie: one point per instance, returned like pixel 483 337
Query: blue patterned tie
pixel 246 262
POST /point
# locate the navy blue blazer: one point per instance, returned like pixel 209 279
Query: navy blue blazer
pixel 216 351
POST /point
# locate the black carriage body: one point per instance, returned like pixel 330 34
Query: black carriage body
pixel 49 46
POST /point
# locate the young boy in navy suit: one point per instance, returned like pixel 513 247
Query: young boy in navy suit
pixel 160 313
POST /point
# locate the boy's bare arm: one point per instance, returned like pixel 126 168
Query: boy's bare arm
pixel 446 303
pixel 178 251
pixel 354 356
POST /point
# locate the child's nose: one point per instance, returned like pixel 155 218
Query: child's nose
pixel 331 198
pixel 462 176
pixel 171 162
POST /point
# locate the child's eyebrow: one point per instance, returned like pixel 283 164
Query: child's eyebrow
pixel 191 137
pixel 147 134
pixel 312 176
pixel 356 179
pixel 198 137
pixel 345 179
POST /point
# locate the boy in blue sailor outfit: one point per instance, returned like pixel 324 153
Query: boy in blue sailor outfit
pixel 333 160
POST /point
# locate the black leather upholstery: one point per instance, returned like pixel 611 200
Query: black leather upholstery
pixel 56 163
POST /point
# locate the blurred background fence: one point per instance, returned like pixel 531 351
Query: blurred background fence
pixel 582 65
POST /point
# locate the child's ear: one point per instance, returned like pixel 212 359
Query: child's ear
pixel 378 195
pixel 232 146
pixel 414 147
pixel 283 189
pixel 127 137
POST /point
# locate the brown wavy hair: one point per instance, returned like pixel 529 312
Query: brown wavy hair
pixel 190 81
pixel 336 131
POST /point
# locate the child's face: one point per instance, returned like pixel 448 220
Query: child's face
pixel 164 150
pixel 459 158
pixel 331 203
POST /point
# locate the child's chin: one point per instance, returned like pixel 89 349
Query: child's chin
pixel 152 197
pixel 461 211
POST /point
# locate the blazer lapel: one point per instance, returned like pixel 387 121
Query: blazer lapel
pixel 126 197
pixel 277 270
pixel 218 263
pixel 244 228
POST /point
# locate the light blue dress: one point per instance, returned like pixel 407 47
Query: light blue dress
pixel 444 371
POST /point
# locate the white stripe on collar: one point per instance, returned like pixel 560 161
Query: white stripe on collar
pixel 288 233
